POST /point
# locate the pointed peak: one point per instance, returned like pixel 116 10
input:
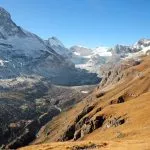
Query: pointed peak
pixel 4 13
pixel 54 41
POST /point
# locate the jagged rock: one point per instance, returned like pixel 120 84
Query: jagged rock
pixel 69 134
pixel 98 109
pixel 113 72
pixel 81 122
pixel 117 101
pixel 86 110
pixel 87 128
pixel 98 122
pixel 100 94
pixel 114 122
pixel 43 119
pixel 120 99
pixel 77 134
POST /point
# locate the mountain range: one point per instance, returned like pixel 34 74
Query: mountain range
pixel 22 52
pixel 51 93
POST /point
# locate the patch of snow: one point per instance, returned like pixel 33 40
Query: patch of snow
pixel 2 62
pixel 102 51
pixel 76 53
pixel 84 92
pixel 81 46
pixel 58 108
pixel 137 54
pixel 90 59
pixel 145 49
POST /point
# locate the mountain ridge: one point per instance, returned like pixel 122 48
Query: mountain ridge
pixel 23 52
pixel 36 107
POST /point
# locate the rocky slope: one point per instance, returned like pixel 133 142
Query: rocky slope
pixel 114 116
pixel 32 101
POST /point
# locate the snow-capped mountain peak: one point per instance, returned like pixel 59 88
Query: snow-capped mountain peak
pixel 142 43
pixel 80 50
pixel 22 52
pixel 102 51
pixel 53 41
pixel 90 59
pixel 58 46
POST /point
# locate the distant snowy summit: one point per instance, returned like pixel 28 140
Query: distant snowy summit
pixel 58 46
pixel 90 59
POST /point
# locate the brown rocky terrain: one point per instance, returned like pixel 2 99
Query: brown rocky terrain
pixel 28 103
pixel 115 116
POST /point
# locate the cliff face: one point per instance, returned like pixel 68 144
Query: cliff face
pixel 117 110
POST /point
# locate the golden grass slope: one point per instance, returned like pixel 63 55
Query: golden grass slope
pixel 132 133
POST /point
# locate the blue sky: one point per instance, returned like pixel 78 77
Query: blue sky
pixel 86 22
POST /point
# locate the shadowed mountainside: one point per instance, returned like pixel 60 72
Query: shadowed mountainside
pixel 32 101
